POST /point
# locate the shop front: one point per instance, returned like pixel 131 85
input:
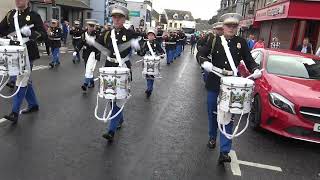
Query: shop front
pixel 290 22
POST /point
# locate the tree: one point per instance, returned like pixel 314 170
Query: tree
pixel 198 20
pixel 214 19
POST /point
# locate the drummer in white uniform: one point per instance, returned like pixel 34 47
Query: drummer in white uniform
pixel 239 51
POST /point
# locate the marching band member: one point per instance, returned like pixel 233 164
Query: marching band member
pixel 87 49
pixel 170 44
pixel 123 36
pixel 76 33
pixel 55 35
pixel 26 17
pixel 239 51
pixel 217 31
pixel 157 49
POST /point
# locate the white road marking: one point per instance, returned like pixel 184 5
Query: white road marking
pixel 262 166
pixel 235 165
pixel 40 67
pixel 3 120
pixel 182 71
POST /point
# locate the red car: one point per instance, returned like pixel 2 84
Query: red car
pixel 287 96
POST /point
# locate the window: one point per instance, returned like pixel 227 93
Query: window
pixel 89 15
pixel 170 25
pixel 257 56
pixel 175 25
pixel 180 25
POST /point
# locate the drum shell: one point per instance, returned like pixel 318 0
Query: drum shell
pixel 114 83
pixel 236 98
pixel 151 66
pixel 14 58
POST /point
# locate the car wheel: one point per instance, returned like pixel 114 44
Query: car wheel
pixel 256 113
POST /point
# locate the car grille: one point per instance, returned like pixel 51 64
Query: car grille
pixel 299 131
pixel 312 114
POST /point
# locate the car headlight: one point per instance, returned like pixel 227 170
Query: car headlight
pixel 281 102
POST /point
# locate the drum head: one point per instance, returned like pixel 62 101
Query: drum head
pixel 11 48
pixel 112 70
pixel 151 58
pixel 237 81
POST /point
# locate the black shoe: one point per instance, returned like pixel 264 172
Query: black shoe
pixel 51 65
pixel 74 61
pixel 30 110
pixel 84 87
pixel 58 63
pixel 224 158
pixel 13 117
pixel 148 93
pixel 109 136
pixel 211 144
pixel 11 85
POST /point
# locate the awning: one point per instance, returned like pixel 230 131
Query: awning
pixel 73 4
pixel 290 9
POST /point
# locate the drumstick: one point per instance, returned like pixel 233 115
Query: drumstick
pixel 218 74
pixel 253 74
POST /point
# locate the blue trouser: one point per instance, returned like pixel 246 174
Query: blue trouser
pixel 24 92
pixel 89 81
pixel 55 55
pixel 170 56
pixel 225 143
pixel 115 121
pixel 150 82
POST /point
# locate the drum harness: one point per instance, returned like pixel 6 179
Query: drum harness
pixel 27 65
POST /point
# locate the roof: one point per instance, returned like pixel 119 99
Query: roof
pixel 73 3
pixel 155 14
pixel 181 14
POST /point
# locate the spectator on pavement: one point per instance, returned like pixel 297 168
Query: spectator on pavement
pixel 305 47
pixel 65 29
pixel 259 44
pixel 251 41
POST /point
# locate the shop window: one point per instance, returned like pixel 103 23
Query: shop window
pixel 89 15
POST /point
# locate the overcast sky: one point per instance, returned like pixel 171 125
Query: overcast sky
pixel 203 9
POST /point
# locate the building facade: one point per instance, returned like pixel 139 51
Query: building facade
pixel 176 18
pixel 288 20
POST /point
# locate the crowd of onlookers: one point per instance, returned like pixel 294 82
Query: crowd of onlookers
pixel 305 47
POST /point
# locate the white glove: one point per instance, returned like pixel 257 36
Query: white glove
pixel 90 40
pixel 74 54
pixel 256 74
pixel 207 66
pixel 25 30
pixel 135 44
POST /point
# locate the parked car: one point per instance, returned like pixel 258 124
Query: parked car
pixel 287 96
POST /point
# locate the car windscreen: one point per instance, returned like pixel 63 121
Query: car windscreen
pixel 188 30
pixel 294 66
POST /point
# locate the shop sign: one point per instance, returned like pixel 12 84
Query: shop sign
pixel 274 12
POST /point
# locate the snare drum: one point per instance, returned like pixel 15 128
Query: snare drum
pixel 114 83
pixel 235 95
pixel 151 66
pixel 13 58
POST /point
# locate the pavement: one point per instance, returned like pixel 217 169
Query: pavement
pixel 163 137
